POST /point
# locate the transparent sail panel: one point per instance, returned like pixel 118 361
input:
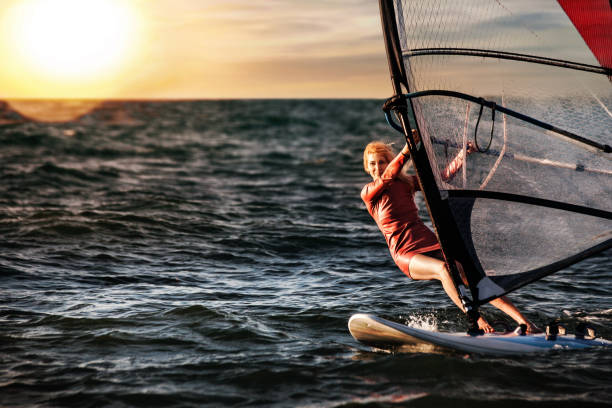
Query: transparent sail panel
pixel 539 28
pixel 521 239
pixel 518 157
pixel 531 199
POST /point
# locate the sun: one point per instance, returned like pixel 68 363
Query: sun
pixel 68 49
pixel 73 40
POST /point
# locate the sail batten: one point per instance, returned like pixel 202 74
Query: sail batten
pixel 535 198
pixel 510 56
pixel 531 200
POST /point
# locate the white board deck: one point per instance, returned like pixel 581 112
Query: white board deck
pixel 378 332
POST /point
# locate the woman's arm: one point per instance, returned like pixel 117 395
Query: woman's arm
pixel 395 166
pixel 455 165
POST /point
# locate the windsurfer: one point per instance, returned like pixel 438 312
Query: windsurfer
pixel 389 199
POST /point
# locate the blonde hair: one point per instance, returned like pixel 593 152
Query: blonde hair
pixel 376 147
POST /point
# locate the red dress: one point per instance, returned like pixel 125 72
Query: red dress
pixel 390 202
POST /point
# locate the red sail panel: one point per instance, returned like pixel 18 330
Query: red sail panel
pixel 593 19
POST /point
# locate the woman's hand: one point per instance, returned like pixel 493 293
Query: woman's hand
pixel 470 148
pixel 416 137
pixel 484 325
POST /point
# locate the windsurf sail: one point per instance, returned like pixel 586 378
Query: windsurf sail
pixel 529 83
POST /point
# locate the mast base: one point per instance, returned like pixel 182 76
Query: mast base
pixel 473 317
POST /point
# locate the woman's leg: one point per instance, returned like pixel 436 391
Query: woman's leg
pixel 505 305
pixel 423 267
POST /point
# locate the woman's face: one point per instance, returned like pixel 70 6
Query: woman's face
pixel 377 163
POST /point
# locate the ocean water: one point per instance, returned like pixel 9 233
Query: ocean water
pixel 210 254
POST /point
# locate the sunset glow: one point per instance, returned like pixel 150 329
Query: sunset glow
pixel 68 48
pixel 73 38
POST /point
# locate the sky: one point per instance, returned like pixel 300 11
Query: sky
pixel 210 49
pixel 192 49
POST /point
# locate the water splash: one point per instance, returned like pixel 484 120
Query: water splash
pixel 421 321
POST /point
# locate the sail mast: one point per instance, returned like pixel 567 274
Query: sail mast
pixel 439 210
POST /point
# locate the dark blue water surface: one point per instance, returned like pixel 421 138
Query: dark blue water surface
pixel 210 253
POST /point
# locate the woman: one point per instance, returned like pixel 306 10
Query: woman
pixel 389 199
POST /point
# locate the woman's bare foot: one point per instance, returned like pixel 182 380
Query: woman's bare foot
pixel 533 329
